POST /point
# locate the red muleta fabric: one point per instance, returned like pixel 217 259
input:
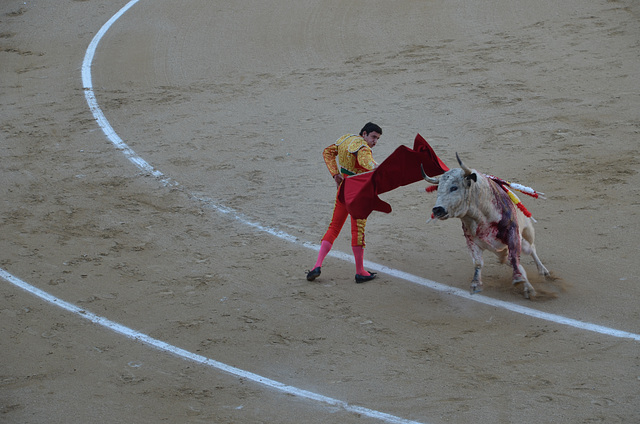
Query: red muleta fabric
pixel 360 192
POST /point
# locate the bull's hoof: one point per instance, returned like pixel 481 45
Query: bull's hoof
pixel 476 288
pixel 528 294
pixel 528 290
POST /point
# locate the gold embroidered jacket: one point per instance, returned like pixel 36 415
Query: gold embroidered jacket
pixel 353 154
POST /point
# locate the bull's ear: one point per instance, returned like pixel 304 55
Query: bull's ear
pixel 471 177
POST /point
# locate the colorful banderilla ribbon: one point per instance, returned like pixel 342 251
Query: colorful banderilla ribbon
pixel 507 186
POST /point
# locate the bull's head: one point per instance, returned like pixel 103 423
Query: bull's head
pixel 453 188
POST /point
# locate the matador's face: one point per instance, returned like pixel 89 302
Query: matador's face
pixel 371 138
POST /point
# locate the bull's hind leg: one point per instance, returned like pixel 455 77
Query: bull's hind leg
pixel 530 249
pixel 542 270
pixel 503 255
pixel 521 277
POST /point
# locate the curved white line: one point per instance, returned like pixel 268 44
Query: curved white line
pixel 97 112
pixel 185 354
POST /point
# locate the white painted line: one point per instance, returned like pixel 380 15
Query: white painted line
pixel 89 94
pixel 185 354
pixel 523 310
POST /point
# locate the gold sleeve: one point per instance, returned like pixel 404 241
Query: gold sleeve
pixel 365 158
pixel 329 154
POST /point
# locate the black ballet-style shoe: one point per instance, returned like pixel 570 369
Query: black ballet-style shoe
pixel 311 275
pixel 363 278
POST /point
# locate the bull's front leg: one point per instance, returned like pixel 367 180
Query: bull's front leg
pixel 519 274
pixel 476 283
pixel 478 262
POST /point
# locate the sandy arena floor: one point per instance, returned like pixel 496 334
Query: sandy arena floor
pixel 233 103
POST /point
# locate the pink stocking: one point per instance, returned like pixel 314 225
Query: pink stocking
pixel 325 247
pixel 358 254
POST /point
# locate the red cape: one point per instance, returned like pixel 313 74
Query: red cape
pixel 360 192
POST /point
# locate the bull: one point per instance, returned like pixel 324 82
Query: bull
pixel 490 221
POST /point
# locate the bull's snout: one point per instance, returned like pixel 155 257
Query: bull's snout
pixel 439 211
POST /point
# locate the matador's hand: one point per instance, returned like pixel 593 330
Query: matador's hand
pixel 338 178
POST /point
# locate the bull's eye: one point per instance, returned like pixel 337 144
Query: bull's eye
pixel 453 188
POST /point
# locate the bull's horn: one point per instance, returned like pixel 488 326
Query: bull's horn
pixel 467 171
pixel 427 178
